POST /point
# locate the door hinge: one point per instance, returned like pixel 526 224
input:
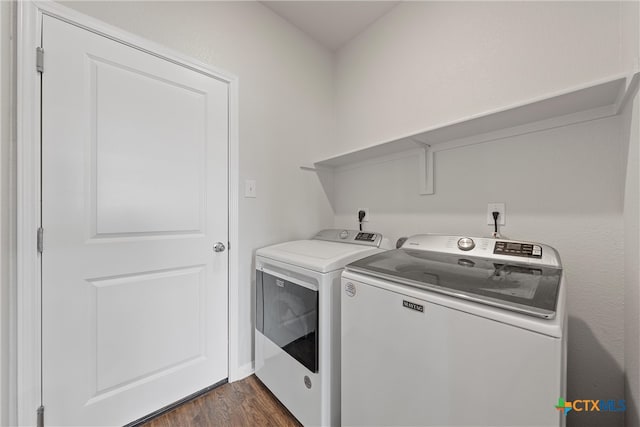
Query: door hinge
pixel 40 59
pixel 40 239
pixel 40 419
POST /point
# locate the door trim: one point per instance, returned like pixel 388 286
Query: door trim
pixel 28 266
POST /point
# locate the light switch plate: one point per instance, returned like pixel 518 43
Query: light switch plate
pixel 250 188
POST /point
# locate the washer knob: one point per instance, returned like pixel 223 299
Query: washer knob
pixel 344 234
pixel 466 244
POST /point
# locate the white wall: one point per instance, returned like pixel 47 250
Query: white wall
pixel 425 64
pixel 631 127
pixel 286 113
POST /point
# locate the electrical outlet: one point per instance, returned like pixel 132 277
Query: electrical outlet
pixel 493 207
pixel 250 188
pixel 366 214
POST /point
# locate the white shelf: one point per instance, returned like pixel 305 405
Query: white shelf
pixel 605 98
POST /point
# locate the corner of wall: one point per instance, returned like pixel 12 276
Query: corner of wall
pixel 631 271
pixel 630 59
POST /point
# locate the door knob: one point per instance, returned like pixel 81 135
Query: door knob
pixel 219 247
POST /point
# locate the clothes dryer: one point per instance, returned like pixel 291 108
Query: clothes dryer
pixel 297 336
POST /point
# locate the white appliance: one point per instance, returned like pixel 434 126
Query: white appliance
pixel 297 338
pixel 454 331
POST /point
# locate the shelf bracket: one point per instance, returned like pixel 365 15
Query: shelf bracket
pixel 425 173
pixel 629 93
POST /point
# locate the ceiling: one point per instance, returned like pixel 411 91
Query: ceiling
pixel 331 23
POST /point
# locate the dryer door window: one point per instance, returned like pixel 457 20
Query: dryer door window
pixel 287 314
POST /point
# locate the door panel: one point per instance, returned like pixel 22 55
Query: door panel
pixel 167 194
pixel 134 196
pixel 158 339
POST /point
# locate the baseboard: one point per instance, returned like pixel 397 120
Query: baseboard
pixel 241 372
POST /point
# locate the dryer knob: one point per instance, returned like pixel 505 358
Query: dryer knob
pixel 344 234
pixel 466 244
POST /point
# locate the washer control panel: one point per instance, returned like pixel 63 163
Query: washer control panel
pixel 486 247
pixel 527 250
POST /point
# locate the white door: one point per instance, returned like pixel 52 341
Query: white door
pixel 134 178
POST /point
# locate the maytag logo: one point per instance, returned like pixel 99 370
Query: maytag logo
pixel 413 306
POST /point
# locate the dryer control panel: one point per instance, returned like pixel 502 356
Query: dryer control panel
pixel 350 236
pixel 366 237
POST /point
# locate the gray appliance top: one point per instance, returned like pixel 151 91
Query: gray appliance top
pixel 519 276
pixel 355 237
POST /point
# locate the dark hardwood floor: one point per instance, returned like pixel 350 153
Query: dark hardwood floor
pixel 243 403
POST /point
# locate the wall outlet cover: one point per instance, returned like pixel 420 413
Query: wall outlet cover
pixel 366 214
pixel 493 207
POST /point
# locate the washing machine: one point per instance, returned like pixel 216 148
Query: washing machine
pixel 454 331
pixel 297 335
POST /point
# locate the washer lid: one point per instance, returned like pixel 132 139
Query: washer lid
pixel 525 288
pixel 317 255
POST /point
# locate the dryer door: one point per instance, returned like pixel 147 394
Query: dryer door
pixel 287 314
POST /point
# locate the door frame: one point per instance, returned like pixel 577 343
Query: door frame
pixel 28 363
